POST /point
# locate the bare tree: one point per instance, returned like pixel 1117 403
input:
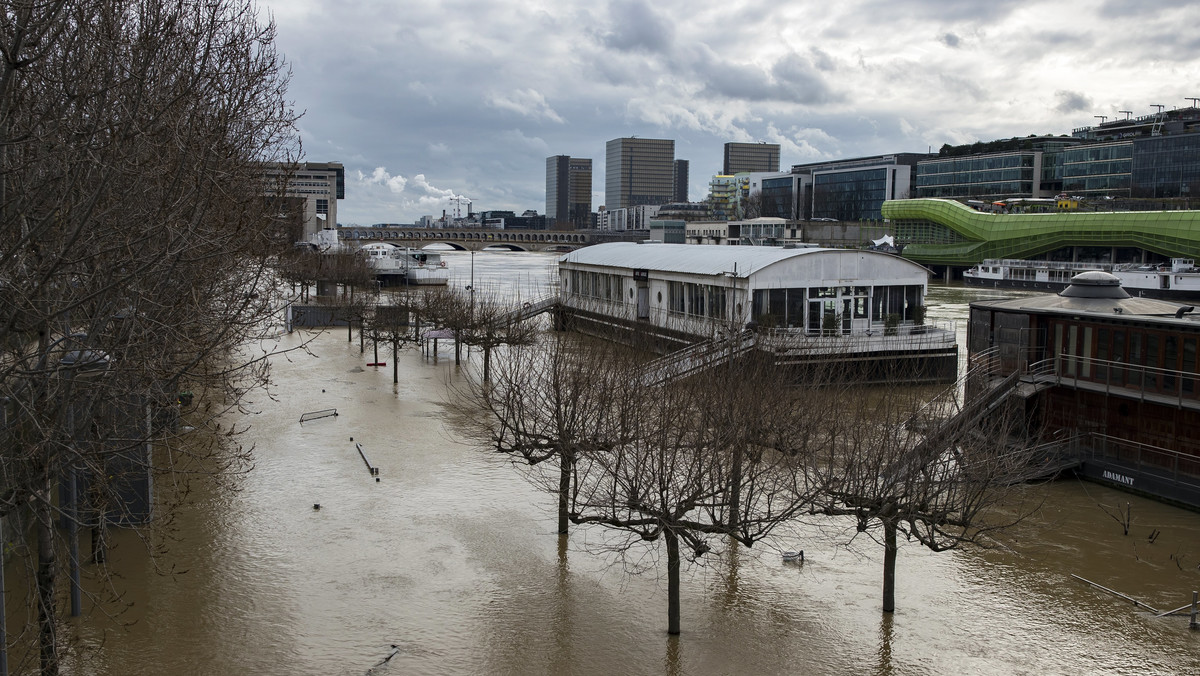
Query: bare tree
pixel 688 463
pixel 397 324
pixel 752 206
pixel 932 471
pixel 134 254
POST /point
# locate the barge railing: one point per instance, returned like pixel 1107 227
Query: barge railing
pixel 1174 466
pixel 1141 383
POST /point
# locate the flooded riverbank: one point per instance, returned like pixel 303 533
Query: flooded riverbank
pixel 452 559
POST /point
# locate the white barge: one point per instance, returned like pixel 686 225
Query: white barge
pixel 803 305
pixel 1178 281
pixel 393 264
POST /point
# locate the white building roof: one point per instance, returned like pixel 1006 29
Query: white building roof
pixel 698 259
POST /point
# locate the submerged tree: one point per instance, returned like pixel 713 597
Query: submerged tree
pixel 695 464
pixel 134 252
pixel 933 471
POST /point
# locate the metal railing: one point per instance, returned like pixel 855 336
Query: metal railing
pixel 1173 466
pixel 1131 380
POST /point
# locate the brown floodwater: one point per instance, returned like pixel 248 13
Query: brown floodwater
pixel 450 563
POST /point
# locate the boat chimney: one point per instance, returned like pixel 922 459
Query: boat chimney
pixel 1183 310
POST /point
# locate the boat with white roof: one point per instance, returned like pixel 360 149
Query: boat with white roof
pixel 1180 280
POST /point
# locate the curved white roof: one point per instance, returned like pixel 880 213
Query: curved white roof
pixel 702 259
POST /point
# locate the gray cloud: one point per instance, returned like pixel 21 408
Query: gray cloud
pixel 635 26
pixel 1071 102
pixel 474 95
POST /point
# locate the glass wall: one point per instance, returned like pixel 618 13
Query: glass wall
pixel 820 308
pixel 1101 169
pixel 983 176
pixel 1166 166
pixel 850 195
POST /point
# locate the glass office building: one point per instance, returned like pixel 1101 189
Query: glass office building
pixel 850 195
pixel 1166 166
pixel 991 175
pixel 1098 169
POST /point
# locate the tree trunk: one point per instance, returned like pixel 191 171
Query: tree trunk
pixel 564 490
pixel 889 565
pixel 487 364
pixel 672 582
pixel 395 359
pixel 47 616
pixel 735 490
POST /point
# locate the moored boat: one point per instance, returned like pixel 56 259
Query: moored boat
pixel 405 265
pixel 1179 280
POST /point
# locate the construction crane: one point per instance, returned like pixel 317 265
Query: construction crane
pixel 459 200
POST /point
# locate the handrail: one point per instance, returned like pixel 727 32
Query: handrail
pixel 1118 375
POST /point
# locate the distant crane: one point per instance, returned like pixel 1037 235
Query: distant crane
pixel 1127 113
pixel 1102 118
pixel 459 201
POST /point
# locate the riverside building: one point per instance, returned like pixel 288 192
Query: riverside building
pixel 800 305
pixel 1108 380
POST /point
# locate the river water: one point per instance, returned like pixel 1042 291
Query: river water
pixel 450 562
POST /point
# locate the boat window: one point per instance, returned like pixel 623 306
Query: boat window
pixel 1135 359
pixel 1189 365
pixel 1102 337
pixel 1170 361
pixel 1086 354
pixel 1152 351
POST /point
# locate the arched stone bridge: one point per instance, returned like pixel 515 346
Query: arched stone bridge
pixel 466 239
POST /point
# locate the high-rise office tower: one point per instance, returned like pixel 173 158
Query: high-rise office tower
pixel 681 181
pixel 569 191
pixel 639 171
pixel 740 157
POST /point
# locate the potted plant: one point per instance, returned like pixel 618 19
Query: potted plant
pixel 891 324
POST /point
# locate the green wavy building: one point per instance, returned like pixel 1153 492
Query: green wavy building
pixel 946 232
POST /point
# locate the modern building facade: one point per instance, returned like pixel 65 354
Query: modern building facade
pixel 726 195
pixel 681 181
pixel 313 188
pixel 778 194
pixel 947 232
pixel 632 218
pixel 750 157
pixel 569 191
pixel 855 189
pixel 639 171
pixel 1150 157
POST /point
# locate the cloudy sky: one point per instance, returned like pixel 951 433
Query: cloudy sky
pixel 423 100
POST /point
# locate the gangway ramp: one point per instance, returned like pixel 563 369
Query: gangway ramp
pixel 696 358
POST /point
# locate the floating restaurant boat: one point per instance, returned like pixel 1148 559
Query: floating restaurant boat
pixel 1108 381
pixel 405 265
pixel 1179 280
pixel 802 305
